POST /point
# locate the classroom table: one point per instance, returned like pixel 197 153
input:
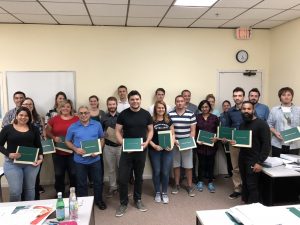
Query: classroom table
pixel 279 185
pixel 1 175
pixel 85 213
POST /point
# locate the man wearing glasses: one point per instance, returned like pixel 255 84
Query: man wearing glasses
pixel 281 118
pixel 83 130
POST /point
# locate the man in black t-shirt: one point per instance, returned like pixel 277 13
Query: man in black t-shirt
pixel 251 159
pixel 133 122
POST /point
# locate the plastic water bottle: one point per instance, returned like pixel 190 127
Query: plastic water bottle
pixel 60 207
pixel 73 205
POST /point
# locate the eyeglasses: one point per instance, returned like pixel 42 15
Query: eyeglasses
pixel 83 113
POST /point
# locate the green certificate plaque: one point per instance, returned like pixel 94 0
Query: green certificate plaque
pixel 290 135
pixel 133 145
pixel 62 145
pixel 186 143
pixel 205 137
pixel 165 139
pixel 48 146
pixel 243 138
pixel 91 147
pixel 28 155
pixel 225 132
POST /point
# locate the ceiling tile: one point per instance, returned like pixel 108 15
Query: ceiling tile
pixel 147 11
pixel 222 13
pixel 236 3
pixel 2 11
pixel 269 24
pixel 82 20
pixel 297 7
pixel 151 2
pixel 259 14
pixel 287 15
pixel 7 18
pixel 176 22
pixel 66 1
pixel 186 12
pixel 107 10
pixel 36 18
pixel 109 21
pixel 23 7
pixel 145 22
pixel 241 23
pixel 65 8
pixel 208 23
pixel 108 1
pixel 277 4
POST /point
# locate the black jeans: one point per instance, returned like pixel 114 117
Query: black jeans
pixel 250 182
pixel 63 163
pixel 82 171
pixel 228 159
pixel 206 166
pixel 128 161
pixel 283 150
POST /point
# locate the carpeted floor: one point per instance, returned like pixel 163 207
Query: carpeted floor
pixel 180 211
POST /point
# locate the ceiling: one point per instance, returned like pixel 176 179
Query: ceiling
pixel 150 13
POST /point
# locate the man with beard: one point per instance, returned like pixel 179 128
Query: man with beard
pixel 251 159
pixel 234 120
pixel 112 150
pixel 261 110
pixel 133 122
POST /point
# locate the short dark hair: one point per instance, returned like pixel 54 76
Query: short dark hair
pixel 122 86
pixel 254 90
pixel 185 90
pixel 210 96
pixel 134 92
pixel 56 96
pixel 111 98
pixel 226 101
pixel 94 96
pixel 248 102
pixel 178 96
pixel 160 89
pixel 202 103
pixel 22 108
pixel 19 93
pixel 284 90
pixel 237 89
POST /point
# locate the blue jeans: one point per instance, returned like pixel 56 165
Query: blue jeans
pixel 20 177
pixel 95 169
pixel 161 162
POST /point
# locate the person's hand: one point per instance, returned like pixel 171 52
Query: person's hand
pixel 278 135
pixel 158 148
pixel 79 151
pixel 145 144
pixel 176 143
pixel 168 149
pixel 38 162
pixel 256 168
pixel 224 140
pixel 214 139
pixel 94 155
pixel 199 142
pixel 232 142
pixel 14 155
pixel 57 139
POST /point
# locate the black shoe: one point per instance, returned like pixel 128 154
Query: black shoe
pixel 101 205
pixel 227 176
pixel 234 195
pixel 41 189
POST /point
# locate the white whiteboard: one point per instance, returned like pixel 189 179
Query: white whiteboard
pixel 41 86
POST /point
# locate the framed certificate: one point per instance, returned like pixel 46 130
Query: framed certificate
pixel 91 147
pixel 28 155
pixel 133 145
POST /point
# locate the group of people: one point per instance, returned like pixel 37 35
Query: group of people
pixel 124 118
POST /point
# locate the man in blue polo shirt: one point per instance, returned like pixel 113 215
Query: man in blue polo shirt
pixel 83 130
pixel 261 110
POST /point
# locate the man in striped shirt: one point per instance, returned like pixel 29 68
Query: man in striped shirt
pixel 185 126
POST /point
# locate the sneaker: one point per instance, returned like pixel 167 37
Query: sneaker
pixel 234 195
pixel 140 206
pixel 211 188
pixel 175 189
pixel 200 186
pixel 121 210
pixel 165 198
pixel 157 197
pixel 190 191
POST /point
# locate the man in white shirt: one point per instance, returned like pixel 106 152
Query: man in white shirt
pixel 123 102
pixel 159 97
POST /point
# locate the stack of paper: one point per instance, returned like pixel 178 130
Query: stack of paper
pixel 272 162
pixel 290 157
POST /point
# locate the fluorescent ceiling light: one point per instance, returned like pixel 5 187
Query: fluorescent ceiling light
pixel 194 3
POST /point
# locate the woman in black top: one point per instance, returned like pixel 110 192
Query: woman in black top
pixel 20 176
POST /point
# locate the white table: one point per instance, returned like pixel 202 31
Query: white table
pixel 218 217
pixel 281 183
pixel 85 213
pixel 1 175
